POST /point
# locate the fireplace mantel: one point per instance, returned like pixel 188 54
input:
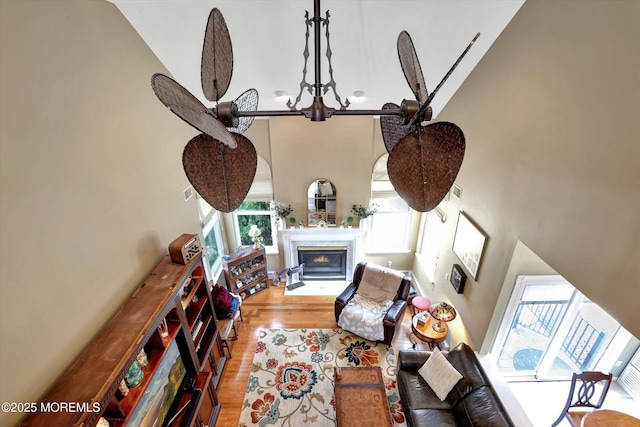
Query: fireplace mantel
pixel 352 238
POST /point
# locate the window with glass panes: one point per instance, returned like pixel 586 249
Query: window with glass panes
pixel 256 210
pixel 256 213
pixel 213 244
pixel 389 226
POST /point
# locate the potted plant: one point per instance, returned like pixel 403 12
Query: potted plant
pixel 292 221
pixel 362 213
pixel 350 221
pixel 282 212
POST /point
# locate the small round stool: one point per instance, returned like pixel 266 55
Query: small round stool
pixel 420 304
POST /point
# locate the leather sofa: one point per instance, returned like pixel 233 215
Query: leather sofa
pixel 393 317
pixel 472 401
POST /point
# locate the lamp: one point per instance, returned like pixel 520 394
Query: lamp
pixel 442 312
pixel 254 233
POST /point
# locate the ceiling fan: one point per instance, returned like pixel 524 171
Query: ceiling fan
pixel 221 163
pixel 424 160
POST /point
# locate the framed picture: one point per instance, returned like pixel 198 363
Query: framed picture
pixel 458 278
pixel 468 244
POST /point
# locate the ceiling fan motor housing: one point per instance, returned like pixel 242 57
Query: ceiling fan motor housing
pixel 227 113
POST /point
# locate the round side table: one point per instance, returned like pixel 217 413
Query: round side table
pixel 607 417
pixel 426 332
pixel 420 304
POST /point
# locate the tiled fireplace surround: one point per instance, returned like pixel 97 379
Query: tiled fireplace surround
pixel 351 238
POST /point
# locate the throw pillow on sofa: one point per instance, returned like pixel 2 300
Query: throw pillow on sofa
pixel 439 374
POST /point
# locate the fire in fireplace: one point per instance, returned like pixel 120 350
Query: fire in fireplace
pixel 323 262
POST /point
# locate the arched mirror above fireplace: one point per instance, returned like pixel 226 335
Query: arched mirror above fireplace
pixel 322 202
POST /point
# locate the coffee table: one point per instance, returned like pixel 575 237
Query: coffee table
pixel 361 399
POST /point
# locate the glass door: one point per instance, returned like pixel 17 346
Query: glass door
pixel 551 330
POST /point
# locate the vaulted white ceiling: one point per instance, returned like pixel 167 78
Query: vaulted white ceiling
pixel 268 41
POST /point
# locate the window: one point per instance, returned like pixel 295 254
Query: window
pixel 212 233
pixel 432 233
pixel 255 213
pixel 256 210
pixel 389 226
pixel 430 241
pixel 213 245
pixel 550 330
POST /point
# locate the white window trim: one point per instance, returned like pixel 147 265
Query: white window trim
pixel 404 249
pixel 213 220
pixel 271 249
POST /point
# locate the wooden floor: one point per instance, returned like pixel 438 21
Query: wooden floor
pixel 271 309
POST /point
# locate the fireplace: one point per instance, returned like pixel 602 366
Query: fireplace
pixel 350 238
pixel 323 262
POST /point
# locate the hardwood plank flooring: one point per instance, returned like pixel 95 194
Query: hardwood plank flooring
pixel 271 309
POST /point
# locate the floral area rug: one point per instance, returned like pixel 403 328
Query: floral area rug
pixel 291 379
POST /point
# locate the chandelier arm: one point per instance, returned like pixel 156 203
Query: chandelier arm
pixel 276 113
pixel 418 116
pixel 332 82
pixel 303 83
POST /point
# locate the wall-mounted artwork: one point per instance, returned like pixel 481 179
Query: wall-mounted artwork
pixel 458 278
pixel 468 244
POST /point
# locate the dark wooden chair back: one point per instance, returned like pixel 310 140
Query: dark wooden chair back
pixel 587 392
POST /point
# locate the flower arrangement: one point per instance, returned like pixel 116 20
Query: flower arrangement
pixel 282 212
pixel 362 212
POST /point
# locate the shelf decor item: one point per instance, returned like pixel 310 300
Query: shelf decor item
pixel 163 328
pixel 134 375
pixel 468 244
pixel 142 359
pixel 255 233
pixel 184 248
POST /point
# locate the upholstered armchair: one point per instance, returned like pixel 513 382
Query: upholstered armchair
pixel 380 284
